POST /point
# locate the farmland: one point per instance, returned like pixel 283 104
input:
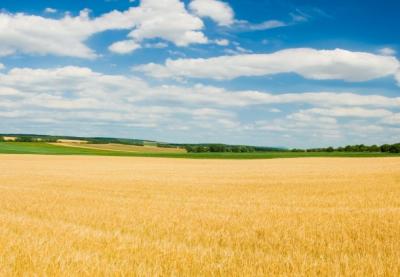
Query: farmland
pixel 91 215
pixel 124 150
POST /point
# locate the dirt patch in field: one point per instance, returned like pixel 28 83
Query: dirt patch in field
pixel 70 141
pixel 125 148
pixel 10 138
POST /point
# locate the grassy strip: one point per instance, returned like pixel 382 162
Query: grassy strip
pixel 49 149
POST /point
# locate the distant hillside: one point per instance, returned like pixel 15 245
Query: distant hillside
pixel 198 148
pixel 194 148
pixel 90 140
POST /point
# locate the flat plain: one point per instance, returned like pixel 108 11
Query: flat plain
pixel 126 216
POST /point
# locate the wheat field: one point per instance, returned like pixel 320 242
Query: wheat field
pixel 114 216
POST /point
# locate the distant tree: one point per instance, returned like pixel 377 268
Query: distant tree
pixel 348 148
pixel 217 148
pixel 385 148
pixel 374 148
pixel 395 148
pixel 298 150
pixel 330 149
pixel 245 149
pixel 24 139
pixel 235 149
pixel 189 148
pixel 363 148
pixel 203 149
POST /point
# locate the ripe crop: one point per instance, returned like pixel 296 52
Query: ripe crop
pixel 80 215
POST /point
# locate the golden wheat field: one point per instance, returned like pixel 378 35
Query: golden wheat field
pixel 114 216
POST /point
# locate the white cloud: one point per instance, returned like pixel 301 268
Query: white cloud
pixel 222 42
pixel 303 117
pixel 50 10
pixel 393 119
pixel 302 126
pixel 2 66
pixel 243 25
pixel 84 95
pixel 309 63
pixel 209 95
pixel 83 82
pixel 158 45
pixel 238 50
pixel 348 112
pixel 218 11
pixel 30 34
pixel 124 47
pixel 274 110
pixel 387 51
pixel 397 76
pixel 166 19
pixel 327 131
pixel 299 16
pixel 77 95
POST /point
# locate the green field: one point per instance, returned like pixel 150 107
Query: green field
pixel 50 149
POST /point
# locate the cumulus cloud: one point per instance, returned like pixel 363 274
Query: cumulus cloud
pixel 218 11
pixel 397 76
pixel 81 81
pixel 393 119
pixel 2 66
pixel 82 94
pixel 215 96
pixel 310 63
pixel 165 19
pixel 158 45
pixel 326 130
pixel 168 20
pixel 302 126
pixel 243 25
pixel 50 10
pixel 124 47
pixel 370 126
pixel 222 42
pixel 387 51
pixel 77 95
pixel 349 112
pixel 30 34
pixel 68 83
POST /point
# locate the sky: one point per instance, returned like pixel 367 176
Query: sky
pixel 286 73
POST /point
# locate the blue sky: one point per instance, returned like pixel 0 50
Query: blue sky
pixel 276 73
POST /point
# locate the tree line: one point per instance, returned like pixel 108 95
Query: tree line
pixel 219 148
pixel 28 139
pixel 385 148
